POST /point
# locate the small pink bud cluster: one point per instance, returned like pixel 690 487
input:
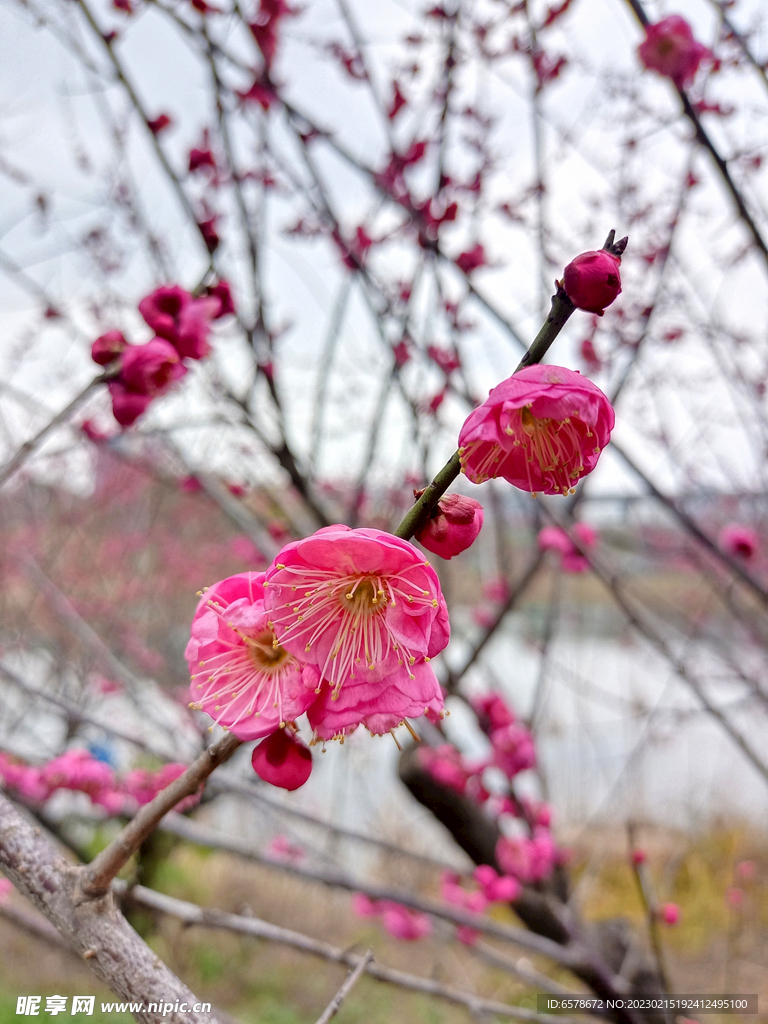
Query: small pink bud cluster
pixel 552 538
pixel 453 525
pixel 401 922
pixel 181 324
pixel 78 770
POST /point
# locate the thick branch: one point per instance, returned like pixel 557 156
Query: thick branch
pixel 93 928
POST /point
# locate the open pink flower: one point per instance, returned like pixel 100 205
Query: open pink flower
pixel 738 540
pixel 670 49
pixel 366 610
pixel 542 430
pixel 151 369
pixel 282 760
pixel 241 676
pixel 592 280
pixel 453 526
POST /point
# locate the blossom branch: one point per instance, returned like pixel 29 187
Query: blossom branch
pixel 651 910
pixel 105 866
pixel 191 914
pixel 560 311
pixel 333 1007
pixel 694 529
pixel 194 832
pixel 704 139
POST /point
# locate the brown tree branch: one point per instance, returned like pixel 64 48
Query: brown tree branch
pixel 94 928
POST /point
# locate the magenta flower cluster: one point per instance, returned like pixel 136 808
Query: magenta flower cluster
pixel 78 770
pixel 525 856
pixel 181 324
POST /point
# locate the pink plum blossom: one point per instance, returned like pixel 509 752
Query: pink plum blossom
pixel 492 712
pixel 739 541
pixel 366 610
pixel 670 49
pixel 542 430
pixel 496 590
pixel 528 860
pixel 592 280
pixel 6 887
pixel 282 760
pixel 445 765
pixel 364 906
pixel 447 359
pixel 553 538
pixel 513 749
pixel 452 527
pixel 241 675
pixel 127 405
pixel 151 369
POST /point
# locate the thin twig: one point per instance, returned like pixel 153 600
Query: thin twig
pixel 31 446
pixel 333 1007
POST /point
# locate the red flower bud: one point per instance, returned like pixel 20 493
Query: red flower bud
pixel 282 760
pixel 592 280
pixel 454 524
pixel 108 347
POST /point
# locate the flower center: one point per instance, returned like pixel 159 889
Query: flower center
pixel 265 654
pixel 364 598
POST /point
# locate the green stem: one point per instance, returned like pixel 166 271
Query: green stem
pixel 419 513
